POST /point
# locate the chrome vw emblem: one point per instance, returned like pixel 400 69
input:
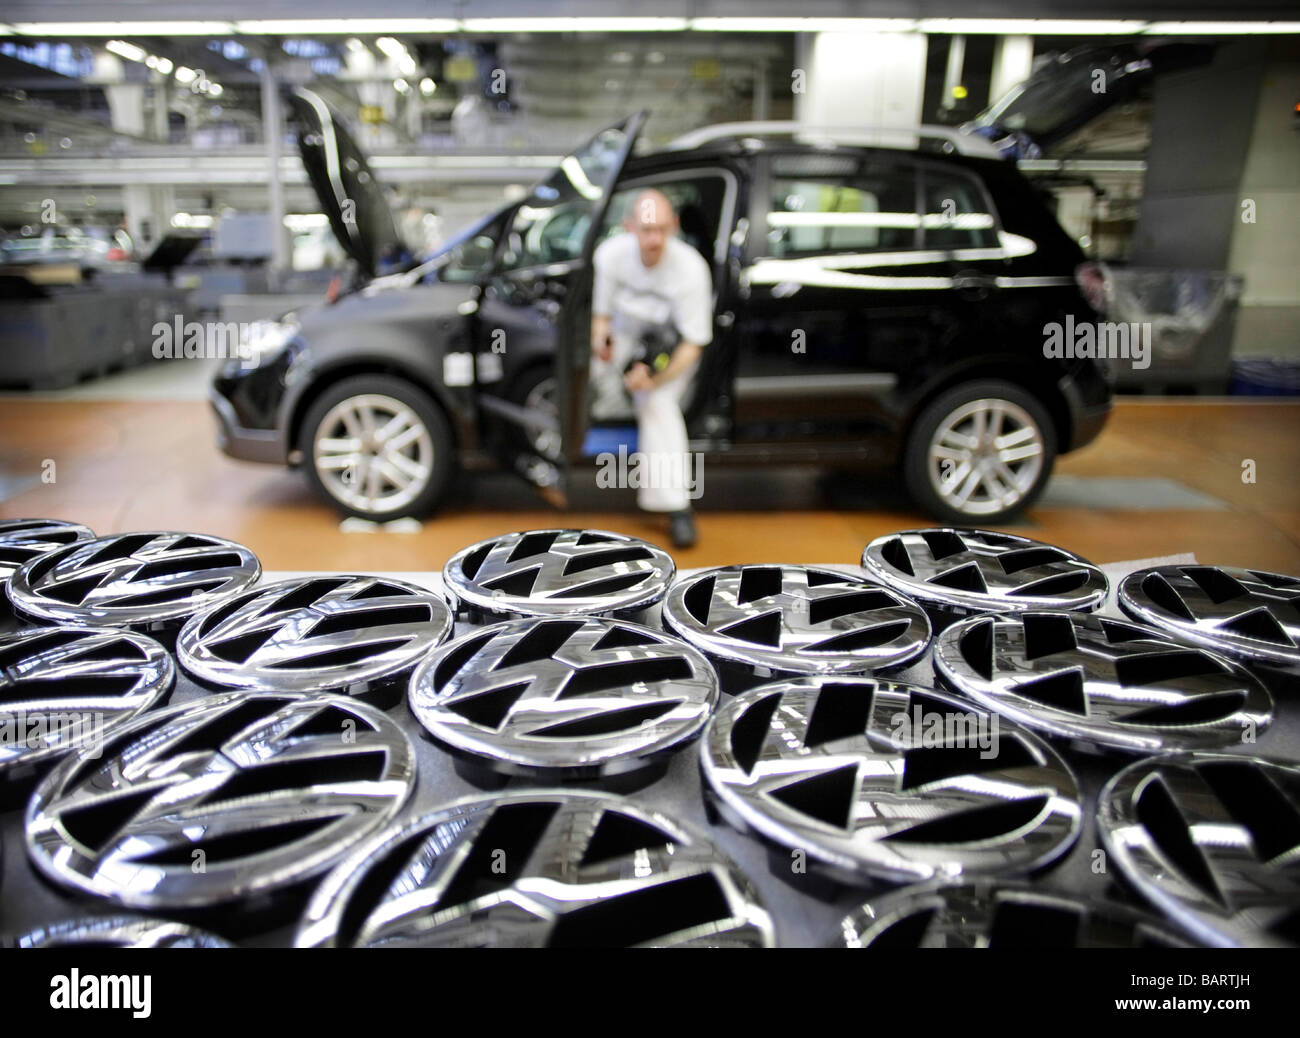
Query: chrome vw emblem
pixel 772 620
pixel 875 779
pixel 1248 614
pixel 550 572
pixel 1212 840
pixel 230 796
pixel 564 697
pixel 351 634
pixel 979 571
pixel 65 688
pixel 120 931
pixel 149 581
pixel 22 540
pixel 991 913
pixel 1108 683
pixel 536 870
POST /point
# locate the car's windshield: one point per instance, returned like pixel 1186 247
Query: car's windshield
pixel 551 225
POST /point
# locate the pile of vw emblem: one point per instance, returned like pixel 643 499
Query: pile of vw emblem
pixel 968 740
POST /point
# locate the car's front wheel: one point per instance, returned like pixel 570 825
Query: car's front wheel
pixel 980 453
pixel 378 447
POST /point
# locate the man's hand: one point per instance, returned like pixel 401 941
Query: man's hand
pixel 602 341
pixel 638 378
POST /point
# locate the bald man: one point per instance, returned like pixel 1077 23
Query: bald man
pixel 653 299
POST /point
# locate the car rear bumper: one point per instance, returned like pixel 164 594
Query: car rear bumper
pixel 262 445
pixel 1090 405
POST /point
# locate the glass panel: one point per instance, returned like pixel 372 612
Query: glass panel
pixel 551 224
pixel 956 214
pixel 845 206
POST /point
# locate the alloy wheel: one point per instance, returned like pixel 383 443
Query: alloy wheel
pixel 373 453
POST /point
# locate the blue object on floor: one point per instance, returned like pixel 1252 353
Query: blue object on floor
pixel 607 439
pixel 1265 376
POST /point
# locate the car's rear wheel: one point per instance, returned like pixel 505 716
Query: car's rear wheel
pixel 378 447
pixel 980 453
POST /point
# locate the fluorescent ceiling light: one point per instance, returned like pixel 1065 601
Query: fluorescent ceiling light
pixel 126 50
pixel 344 26
pixel 216 90
pixel 428 86
pixel 390 47
pixel 165 65
pixel 1220 28
pixel 185 74
pixel 573 24
pixel 123 28
pixel 1031 26
pixel 803 24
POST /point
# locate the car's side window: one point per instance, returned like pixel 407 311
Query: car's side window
pixel 697 200
pixel 956 213
pixel 832 203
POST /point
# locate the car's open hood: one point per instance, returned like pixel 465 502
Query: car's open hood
pixel 350 194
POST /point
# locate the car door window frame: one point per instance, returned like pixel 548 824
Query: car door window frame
pixel 957 172
pixel 727 214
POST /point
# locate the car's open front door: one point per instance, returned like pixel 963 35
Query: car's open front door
pixel 605 156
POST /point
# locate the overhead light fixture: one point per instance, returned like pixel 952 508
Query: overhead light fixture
pixel 1222 28
pixel 126 50
pixel 344 26
pixel 803 24
pixel 391 47
pixel 583 24
pixel 1031 26
pixel 185 74
pixel 428 86
pixel 123 28
pixel 165 66
pixel 401 86
pixel 215 90
pixel 356 46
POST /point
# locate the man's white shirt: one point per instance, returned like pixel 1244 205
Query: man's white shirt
pixel 677 290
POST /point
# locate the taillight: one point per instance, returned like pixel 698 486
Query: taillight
pixel 1094 282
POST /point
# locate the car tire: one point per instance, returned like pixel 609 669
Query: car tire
pixel 535 387
pixel 960 468
pixel 363 475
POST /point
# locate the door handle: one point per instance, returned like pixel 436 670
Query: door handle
pixel 973 285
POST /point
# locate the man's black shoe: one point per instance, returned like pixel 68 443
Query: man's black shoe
pixel 681 527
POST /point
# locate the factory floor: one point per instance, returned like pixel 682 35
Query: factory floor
pixel 1166 476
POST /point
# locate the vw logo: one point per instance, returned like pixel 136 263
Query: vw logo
pixel 1103 682
pixel 537 869
pixel 1211 840
pixel 873 779
pixel 991 913
pixel 120 931
pixel 151 582
pixel 1250 615
pixel 22 540
pixel 349 634
pixel 564 697
pixel 222 799
pixel 553 572
pixel 757 622
pixel 958 572
pixel 64 688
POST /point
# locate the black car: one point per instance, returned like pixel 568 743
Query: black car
pixel 875 306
